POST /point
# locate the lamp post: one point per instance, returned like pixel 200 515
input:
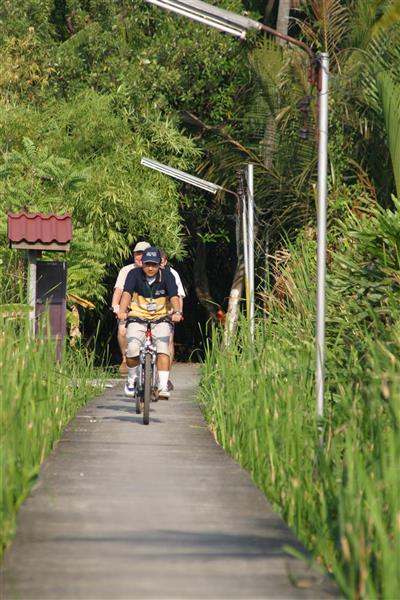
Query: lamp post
pixel 238 26
pixel 321 232
pixel 250 213
pixel 245 232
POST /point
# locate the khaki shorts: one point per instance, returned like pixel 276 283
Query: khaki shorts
pixel 136 334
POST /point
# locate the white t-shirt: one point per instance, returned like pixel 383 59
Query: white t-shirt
pixel 181 289
pixel 120 283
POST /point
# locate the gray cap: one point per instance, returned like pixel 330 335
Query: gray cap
pixel 141 246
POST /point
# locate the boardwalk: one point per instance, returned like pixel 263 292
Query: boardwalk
pixel 125 511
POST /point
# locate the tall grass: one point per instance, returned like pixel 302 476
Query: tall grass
pixel 342 497
pixel 38 398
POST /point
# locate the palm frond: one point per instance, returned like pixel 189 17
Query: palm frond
pixel 332 17
pixel 30 149
pixel 389 92
pixel 390 17
pixel 327 25
pixel 362 21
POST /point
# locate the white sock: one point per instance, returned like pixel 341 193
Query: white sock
pixel 163 379
pixel 132 373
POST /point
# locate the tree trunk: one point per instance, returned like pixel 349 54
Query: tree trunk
pixel 236 292
pixel 282 22
pixel 269 7
pixel 234 301
pixel 269 141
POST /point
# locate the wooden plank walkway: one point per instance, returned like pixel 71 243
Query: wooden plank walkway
pixel 125 511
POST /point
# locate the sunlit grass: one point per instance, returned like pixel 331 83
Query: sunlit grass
pixel 38 398
pixel 341 497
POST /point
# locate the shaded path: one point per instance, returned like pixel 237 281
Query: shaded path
pixel 125 511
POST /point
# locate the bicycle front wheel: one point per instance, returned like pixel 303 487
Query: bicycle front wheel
pixel 147 389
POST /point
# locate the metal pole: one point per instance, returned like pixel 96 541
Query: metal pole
pixel 321 231
pixel 32 257
pixel 250 220
pixel 245 251
pixel 266 266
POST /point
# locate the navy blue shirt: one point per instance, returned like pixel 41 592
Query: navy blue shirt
pixel 150 301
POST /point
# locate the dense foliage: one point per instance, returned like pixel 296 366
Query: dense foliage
pixel 87 90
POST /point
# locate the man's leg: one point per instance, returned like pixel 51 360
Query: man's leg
pixel 135 336
pixel 121 336
pixel 171 346
pixel 171 355
pixel 163 362
pixel 161 335
pixel 163 375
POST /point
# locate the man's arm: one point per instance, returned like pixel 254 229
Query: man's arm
pixel 176 310
pixel 116 299
pixel 118 289
pixel 119 286
pixel 126 295
pixel 123 305
pixel 172 291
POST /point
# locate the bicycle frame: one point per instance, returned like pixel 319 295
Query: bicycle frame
pixel 146 386
pixel 147 348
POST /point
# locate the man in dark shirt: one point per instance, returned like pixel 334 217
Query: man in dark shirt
pixel 149 293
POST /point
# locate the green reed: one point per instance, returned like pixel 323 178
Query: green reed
pixel 38 398
pixel 341 497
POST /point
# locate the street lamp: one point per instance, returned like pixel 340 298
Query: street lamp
pixel 223 20
pixel 238 26
pixel 195 181
pixel 183 176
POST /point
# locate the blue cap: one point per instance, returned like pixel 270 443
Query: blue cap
pixel 151 255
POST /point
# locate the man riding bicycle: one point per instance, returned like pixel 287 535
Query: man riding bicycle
pixel 149 293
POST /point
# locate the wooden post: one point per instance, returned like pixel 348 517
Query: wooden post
pixel 32 258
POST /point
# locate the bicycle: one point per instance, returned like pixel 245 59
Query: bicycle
pixel 146 383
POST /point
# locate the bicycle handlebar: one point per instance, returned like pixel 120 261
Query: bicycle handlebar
pixel 147 321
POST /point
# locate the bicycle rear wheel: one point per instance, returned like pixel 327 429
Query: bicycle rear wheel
pixel 138 403
pixel 147 389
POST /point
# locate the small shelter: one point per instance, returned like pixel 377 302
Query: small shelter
pixel 47 280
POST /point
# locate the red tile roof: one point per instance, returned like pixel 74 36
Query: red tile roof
pixel 37 228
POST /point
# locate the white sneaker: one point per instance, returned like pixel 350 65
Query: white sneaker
pixel 130 388
pixel 163 394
